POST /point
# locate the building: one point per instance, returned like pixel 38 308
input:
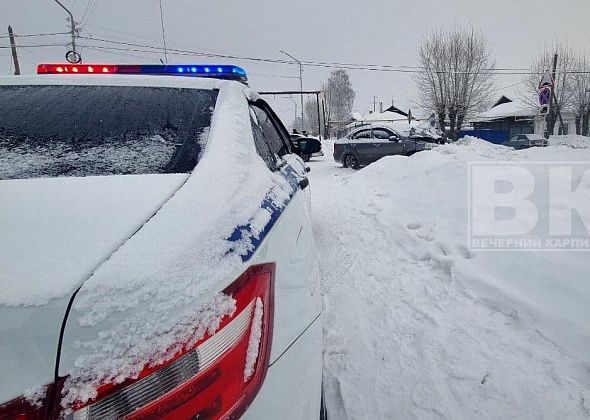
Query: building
pixel 507 118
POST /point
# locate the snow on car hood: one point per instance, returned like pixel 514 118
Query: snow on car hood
pixel 54 232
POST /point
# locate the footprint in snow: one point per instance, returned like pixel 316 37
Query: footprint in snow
pixel 464 252
pixel 443 249
pixel 414 226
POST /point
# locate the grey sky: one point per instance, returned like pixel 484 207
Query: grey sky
pixel 374 32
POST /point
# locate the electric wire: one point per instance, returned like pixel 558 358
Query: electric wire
pixel 137 47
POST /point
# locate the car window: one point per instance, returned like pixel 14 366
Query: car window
pixel 261 142
pixel 271 133
pixel 382 134
pixel 52 131
pixel 363 134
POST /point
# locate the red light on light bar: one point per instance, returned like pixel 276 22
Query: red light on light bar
pixel 87 68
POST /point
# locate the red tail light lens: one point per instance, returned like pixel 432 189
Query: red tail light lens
pixel 23 409
pixel 217 378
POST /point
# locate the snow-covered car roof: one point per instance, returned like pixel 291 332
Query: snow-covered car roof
pixel 414 129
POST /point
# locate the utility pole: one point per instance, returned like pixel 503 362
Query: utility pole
pixel 326 123
pixel 374 103
pixel 300 85
pixel 72 56
pixel 163 33
pixel 13 48
pixel 554 98
pixel 317 102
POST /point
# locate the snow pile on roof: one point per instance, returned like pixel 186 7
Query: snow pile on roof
pixel 419 326
pixel 572 140
pixel 507 110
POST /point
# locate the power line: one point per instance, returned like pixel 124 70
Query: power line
pixel 153 49
pixel 35 35
pixel 86 11
pixel 321 64
pixel 35 46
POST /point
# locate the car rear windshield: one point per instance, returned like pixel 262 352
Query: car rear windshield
pixel 51 131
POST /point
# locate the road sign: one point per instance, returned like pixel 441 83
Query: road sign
pixel 545 96
pixel 545 91
pixel 547 80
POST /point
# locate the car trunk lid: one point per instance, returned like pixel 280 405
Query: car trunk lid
pixel 54 232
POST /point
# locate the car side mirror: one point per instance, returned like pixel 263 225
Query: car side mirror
pixel 308 146
pixel 394 138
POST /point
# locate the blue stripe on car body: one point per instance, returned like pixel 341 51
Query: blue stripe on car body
pixel 243 239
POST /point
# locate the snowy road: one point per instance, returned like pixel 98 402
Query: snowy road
pixel 416 326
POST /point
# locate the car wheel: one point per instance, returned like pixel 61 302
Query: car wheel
pixel 350 161
pixel 306 158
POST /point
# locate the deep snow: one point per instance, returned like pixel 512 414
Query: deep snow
pixel 419 327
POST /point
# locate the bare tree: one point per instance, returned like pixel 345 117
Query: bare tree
pixel 339 99
pixel 563 86
pixel 580 85
pixel 310 109
pixel 456 79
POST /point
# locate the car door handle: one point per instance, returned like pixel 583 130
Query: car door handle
pixel 304 183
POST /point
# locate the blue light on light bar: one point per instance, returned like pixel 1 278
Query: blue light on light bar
pixel 214 71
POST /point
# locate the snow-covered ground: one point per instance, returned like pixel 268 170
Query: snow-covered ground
pixel 419 327
pixel 572 140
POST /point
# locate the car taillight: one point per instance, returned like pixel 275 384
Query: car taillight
pixel 22 408
pixel 217 378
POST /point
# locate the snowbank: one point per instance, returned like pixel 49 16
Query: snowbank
pixel 571 140
pixel 419 326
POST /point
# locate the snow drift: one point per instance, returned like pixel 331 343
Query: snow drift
pixel 417 325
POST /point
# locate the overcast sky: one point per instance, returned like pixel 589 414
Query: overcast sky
pixel 370 31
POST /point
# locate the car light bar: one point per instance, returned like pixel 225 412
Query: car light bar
pixel 216 71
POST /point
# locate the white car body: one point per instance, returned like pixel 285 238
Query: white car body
pixel 125 251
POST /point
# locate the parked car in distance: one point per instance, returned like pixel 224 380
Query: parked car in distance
pixel 370 143
pixel 299 139
pixel 524 141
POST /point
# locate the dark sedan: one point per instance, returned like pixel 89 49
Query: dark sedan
pixel 368 144
pixel 525 141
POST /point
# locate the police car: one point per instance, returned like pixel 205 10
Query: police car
pixel 156 254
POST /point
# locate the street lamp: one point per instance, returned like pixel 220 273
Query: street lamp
pixel 72 56
pixel 300 83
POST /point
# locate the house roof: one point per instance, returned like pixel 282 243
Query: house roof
pixel 396 111
pixel 506 108
pixel 503 99
pixel 385 116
